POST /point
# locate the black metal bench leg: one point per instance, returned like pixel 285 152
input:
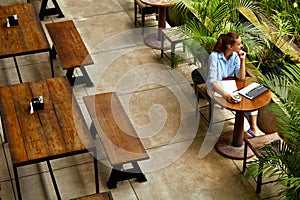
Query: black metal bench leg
pixel 43 9
pixel 53 180
pixel 113 179
pixel 51 61
pixel 50 11
pixel 245 157
pixel 93 130
pixel 139 175
pixel 53 52
pixel 70 77
pixel 259 177
pixel 86 77
pixel 59 12
pixel 119 174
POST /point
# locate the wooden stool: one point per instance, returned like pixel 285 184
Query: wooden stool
pixel 174 36
pixel 99 196
pixel 256 144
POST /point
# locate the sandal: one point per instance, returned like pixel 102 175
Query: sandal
pixel 251 133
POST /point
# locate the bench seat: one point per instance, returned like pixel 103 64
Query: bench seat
pixel 71 50
pixel 118 136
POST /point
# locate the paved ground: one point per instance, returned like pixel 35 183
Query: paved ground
pixel 159 101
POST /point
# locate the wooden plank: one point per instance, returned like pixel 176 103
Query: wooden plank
pixel 32 132
pixel 119 138
pixel 48 119
pixel 100 196
pixel 68 44
pixel 25 38
pixel 73 127
pixel 11 126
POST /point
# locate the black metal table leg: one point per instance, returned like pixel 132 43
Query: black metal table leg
pixel 96 171
pixel 53 180
pixel 4 134
pixel 17 182
pixel 18 70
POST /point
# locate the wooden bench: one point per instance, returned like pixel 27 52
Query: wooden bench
pixel 99 196
pixel 118 136
pixel 68 45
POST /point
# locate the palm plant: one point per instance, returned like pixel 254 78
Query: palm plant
pixel 284 164
pixel 210 18
pixel 285 15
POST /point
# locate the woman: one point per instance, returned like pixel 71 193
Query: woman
pixel 228 60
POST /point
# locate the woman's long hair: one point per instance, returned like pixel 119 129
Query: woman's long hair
pixel 224 40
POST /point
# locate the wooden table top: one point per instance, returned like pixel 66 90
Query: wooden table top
pixel 158 3
pixel 245 104
pixel 27 37
pixel 118 136
pixel 58 130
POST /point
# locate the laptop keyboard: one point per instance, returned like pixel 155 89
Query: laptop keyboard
pixel 256 91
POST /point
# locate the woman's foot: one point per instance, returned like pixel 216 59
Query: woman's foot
pixel 253 132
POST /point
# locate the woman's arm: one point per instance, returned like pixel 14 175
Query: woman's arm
pixel 242 72
pixel 220 90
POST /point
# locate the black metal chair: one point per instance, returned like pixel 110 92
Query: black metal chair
pixel 143 9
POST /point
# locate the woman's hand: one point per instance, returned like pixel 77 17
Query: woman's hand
pixel 230 98
pixel 242 54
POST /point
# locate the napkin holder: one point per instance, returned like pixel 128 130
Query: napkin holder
pixel 12 21
pixel 36 104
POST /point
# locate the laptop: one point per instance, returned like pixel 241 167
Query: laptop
pixel 253 90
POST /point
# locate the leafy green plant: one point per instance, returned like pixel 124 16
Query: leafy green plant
pixel 285 15
pixel 284 164
pixel 207 19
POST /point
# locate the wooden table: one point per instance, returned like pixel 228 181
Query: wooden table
pixel 25 38
pixel 55 132
pixel 230 144
pixel 154 40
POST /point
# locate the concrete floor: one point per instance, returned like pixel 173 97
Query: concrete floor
pixel 160 103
